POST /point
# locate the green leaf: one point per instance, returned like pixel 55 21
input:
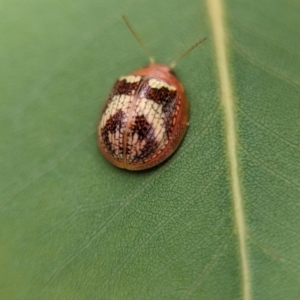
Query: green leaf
pixel 218 220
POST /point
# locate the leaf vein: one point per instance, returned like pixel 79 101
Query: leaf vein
pixel 197 283
pixel 137 249
pixel 262 36
pixel 274 255
pixel 51 166
pixel 262 126
pixel 275 173
pixel 250 58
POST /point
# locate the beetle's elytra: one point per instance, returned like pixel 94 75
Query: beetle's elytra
pixel 144 119
pixel 145 116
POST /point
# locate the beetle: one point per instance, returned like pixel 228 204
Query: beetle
pixel 145 116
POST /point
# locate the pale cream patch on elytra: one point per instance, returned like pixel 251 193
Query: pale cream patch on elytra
pixel 154 115
pixel 117 135
pixel 119 102
pixel 115 144
pixel 131 78
pixel 135 138
pixel 136 148
pixel 123 103
pixel 158 84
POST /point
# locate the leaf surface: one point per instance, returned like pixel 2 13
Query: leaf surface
pixel 72 226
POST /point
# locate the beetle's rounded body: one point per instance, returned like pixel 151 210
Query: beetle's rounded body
pixel 144 119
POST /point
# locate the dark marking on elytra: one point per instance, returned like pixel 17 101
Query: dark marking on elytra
pixel 122 87
pixel 145 132
pixel 161 96
pixel 113 124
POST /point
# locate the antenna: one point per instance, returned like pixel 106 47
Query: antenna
pixel 175 61
pixel 138 39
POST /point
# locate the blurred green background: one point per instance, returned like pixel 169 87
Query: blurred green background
pixel 72 226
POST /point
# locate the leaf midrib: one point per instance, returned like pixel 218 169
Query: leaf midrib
pixel 216 12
